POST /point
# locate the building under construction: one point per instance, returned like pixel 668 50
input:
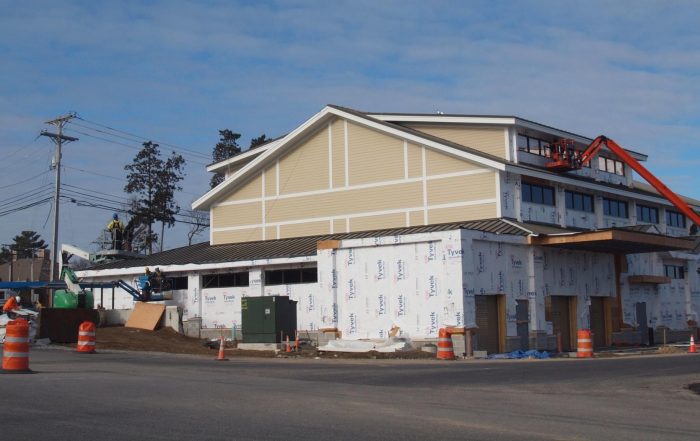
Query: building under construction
pixel 372 221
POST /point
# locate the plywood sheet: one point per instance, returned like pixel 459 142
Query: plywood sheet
pixel 145 316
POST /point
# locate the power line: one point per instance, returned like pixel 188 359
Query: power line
pixel 26 180
pixel 17 196
pixel 194 152
pixel 30 205
pixel 111 141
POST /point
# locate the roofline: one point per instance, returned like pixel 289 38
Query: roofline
pixel 409 134
pixel 488 119
pixel 243 155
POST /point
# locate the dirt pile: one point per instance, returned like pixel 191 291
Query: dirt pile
pixel 169 341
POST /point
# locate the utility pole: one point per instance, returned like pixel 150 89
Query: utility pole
pixel 58 138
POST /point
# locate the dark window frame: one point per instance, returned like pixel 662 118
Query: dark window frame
pixel 611 165
pixel 291 276
pixel 675 219
pixel 675 271
pixel 225 280
pixel 538 194
pixel 613 207
pixel 647 214
pixel 579 201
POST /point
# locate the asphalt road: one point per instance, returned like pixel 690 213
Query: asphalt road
pixel 139 396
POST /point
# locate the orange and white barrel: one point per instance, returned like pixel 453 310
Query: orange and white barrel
pixel 445 351
pixel 86 337
pixel 585 344
pixel 15 350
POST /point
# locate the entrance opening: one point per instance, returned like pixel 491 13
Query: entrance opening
pixel 562 314
pixel 490 314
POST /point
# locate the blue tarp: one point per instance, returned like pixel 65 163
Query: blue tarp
pixel 521 354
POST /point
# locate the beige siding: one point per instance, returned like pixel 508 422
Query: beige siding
pixel 237 215
pixel 377 222
pixel 250 190
pixel 343 202
pixel 415 161
pixel 415 218
pixel 438 163
pixel 247 235
pixel 271 181
pixel 270 233
pixel 461 188
pixel 489 140
pixel 306 229
pixel 338 142
pixel 456 214
pixel 339 226
pixel 373 156
pixel 305 168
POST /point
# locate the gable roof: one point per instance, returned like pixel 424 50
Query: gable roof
pixel 326 114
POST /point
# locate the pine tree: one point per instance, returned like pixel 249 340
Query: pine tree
pixel 25 246
pixel 224 149
pixel 154 182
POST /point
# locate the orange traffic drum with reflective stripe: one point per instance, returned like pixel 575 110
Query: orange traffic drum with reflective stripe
pixel 445 351
pixel 86 337
pixel 585 344
pixel 15 350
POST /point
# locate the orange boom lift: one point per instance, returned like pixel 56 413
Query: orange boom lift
pixel 566 158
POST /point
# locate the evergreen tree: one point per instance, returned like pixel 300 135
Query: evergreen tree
pixel 260 140
pixel 25 246
pixel 224 149
pixel 154 183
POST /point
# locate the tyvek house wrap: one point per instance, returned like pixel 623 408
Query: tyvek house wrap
pixel 384 282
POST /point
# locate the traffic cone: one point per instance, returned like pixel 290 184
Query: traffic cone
pixel 221 356
pixel 289 348
pixel 692 349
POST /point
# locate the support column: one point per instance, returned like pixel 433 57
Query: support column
pixel 535 296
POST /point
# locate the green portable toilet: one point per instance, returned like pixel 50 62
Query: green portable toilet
pixel 265 319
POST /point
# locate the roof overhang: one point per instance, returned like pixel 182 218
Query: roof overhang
pixel 614 241
pixel 490 120
pixel 241 157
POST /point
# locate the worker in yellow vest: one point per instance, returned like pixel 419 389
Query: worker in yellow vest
pixel 116 227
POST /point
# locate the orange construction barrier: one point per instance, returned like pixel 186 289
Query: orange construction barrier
pixel 289 348
pixel 296 341
pixel 86 338
pixel 221 356
pixel 15 351
pixel 445 351
pixel 691 348
pixel 585 344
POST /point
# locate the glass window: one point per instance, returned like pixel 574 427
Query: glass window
pixel 619 168
pixel 522 142
pixel 615 208
pixel 675 219
pixel 674 271
pixel 537 194
pixel 579 201
pixel 291 276
pixel 647 214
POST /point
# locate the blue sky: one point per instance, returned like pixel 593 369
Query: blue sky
pixel 178 71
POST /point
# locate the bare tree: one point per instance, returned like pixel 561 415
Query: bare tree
pixel 200 222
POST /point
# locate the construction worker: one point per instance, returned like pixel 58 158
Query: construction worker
pixel 11 306
pixel 116 227
pixel 146 286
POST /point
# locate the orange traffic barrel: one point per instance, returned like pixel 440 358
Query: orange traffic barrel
pixel 585 344
pixel 15 350
pixel 445 351
pixel 86 337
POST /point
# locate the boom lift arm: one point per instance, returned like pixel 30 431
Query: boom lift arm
pixel 565 158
